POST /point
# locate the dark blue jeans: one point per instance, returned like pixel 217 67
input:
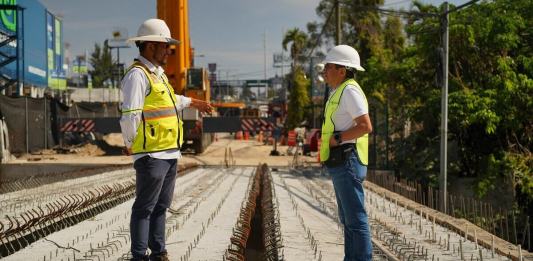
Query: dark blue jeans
pixel 154 190
pixel 348 184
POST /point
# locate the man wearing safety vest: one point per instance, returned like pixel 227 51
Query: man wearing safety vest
pixel 344 147
pixel 153 134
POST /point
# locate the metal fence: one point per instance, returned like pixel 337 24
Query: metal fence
pixel 28 123
pixel 32 123
pixel 506 222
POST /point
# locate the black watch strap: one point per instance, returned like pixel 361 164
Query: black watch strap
pixel 338 137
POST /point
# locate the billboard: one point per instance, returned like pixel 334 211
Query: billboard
pixel 8 17
pixel 55 52
pixel 34 43
pixel 42 32
pixel 8 28
pixel 50 48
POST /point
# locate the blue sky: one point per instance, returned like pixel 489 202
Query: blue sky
pixel 227 32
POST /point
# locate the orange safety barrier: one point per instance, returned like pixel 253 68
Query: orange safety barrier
pixel 291 140
pixel 246 135
pixel 238 135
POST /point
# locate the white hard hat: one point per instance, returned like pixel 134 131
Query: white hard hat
pixel 344 55
pixel 154 30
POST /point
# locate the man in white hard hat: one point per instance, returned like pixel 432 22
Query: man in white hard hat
pixel 344 147
pixel 153 134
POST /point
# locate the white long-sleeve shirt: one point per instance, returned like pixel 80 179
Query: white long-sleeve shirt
pixel 135 87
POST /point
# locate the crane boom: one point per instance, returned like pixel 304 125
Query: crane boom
pixel 176 14
pixel 188 81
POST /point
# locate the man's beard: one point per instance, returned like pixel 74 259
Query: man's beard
pixel 161 62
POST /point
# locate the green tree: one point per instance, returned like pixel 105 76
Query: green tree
pixel 102 63
pixel 360 23
pixel 491 73
pixel 394 38
pixel 298 41
pixel 298 98
pixel 490 85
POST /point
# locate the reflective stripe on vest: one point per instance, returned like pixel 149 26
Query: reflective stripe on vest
pixel 159 113
pixel 160 129
pixel 328 127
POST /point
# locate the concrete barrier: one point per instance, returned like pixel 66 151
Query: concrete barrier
pixel 95 95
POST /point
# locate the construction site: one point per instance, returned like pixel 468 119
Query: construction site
pixel 251 180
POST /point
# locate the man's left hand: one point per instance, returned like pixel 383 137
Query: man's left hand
pixel 206 107
pixel 202 106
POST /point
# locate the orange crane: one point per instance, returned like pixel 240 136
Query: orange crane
pixel 186 80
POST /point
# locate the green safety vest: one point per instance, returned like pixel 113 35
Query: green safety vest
pixel 328 128
pixel 160 129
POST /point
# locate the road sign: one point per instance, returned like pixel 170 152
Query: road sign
pixel 257 83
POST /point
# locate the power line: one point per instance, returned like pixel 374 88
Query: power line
pixel 391 12
pixel 397 12
pixel 414 13
pixel 463 6
pixel 250 73
pixel 397 3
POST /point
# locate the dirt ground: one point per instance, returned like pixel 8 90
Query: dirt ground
pixel 109 151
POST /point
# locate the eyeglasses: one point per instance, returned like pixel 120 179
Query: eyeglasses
pixel 327 67
pixel 160 45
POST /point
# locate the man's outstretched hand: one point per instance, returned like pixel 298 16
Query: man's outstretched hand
pixel 127 151
pixel 202 106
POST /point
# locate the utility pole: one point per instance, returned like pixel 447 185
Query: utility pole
pixel 312 73
pixel 444 112
pixel 338 35
pixel 265 63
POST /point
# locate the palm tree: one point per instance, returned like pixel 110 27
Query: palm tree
pixel 299 41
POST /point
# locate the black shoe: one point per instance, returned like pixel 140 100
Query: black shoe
pixel 163 256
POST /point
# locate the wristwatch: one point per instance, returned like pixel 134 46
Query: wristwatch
pixel 337 137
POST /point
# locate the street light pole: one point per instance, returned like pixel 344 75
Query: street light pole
pixel 265 64
pixel 312 73
pixel 338 36
pixel 444 113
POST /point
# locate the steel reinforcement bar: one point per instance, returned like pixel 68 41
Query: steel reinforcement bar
pixel 30 226
pixel 271 224
pixel 243 226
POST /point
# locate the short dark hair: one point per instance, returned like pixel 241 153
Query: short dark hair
pixel 350 72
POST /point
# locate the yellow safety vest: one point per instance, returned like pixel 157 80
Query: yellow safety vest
pixel 161 128
pixel 328 128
